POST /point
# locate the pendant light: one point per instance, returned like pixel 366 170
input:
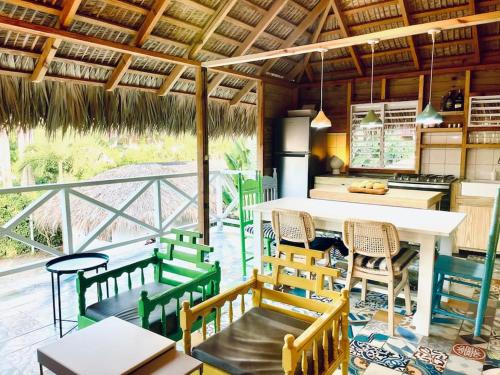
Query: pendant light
pixel 371 120
pixel 321 121
pixel 429 116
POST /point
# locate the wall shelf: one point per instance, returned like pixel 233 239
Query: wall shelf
pixel 440 145
pixel 441 130
pixel 482 145
pixel 452 113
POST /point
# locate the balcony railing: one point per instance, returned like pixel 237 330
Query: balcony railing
pixel 220 181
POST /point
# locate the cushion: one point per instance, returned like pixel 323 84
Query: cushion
pixel 252 344
pixel 319 243
pixel 399 261
pixel 267 230
pixel 124 306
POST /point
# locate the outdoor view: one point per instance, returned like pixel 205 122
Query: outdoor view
pixel 28 158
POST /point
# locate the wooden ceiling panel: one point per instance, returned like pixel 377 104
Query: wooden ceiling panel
pixel 111 13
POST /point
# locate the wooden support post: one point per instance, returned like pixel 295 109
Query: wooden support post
pixel 383 89
pixel 260 126
pixel 420 106
pixel 202 155
pixel 348 116
pixel 463 155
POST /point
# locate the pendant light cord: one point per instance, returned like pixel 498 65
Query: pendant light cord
pixel 321 100
pixel 432 65
pixel 371 86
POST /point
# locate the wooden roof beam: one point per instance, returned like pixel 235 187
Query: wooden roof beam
pixel 52 44
pixel 300 68
pixel 342 21
pixel 290 40
pixel 152 18
pixel 200 40
pixel 250 39
pixel 403 8
pixel 399 32
pixel 475 37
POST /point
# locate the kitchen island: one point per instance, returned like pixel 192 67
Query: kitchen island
pixel 393 197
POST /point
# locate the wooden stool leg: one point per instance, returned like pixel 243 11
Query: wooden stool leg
pixel 390 307
pixel 364 287
pixel 407 292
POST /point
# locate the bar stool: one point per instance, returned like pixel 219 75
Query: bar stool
pixel 296 228
pixel 375 254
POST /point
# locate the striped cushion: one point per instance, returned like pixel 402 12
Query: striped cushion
pixel 399 261
pixel 267 230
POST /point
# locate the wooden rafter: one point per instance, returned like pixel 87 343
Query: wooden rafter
pixel 300 68
pixel 200 40
pixel 142 35
pixel 399 32
pixel 250 39
pixel 52 44
pixel 411 42
pixel 475 38
pixel 342 21
pixel 290 40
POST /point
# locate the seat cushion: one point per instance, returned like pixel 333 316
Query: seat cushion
pixel 319 243
pixel 124 306
pixel 399 261
pixel 252 344
pixel 267 230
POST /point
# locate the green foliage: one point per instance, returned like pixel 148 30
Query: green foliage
pixel 10 205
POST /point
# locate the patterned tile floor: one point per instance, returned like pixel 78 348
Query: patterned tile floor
pixel 26 323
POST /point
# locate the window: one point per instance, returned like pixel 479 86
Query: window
pixel 391 146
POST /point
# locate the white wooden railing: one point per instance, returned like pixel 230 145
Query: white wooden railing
pixel 219 181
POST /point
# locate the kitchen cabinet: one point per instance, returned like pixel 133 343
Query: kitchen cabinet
pixel 472 234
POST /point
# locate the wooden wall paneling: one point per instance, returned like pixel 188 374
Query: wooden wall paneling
pixel 202 154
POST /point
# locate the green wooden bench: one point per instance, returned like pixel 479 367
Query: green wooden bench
pixel 179 272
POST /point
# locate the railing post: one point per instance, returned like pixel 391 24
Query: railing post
pixel 219 201
pixel 67 230
pixel 157 207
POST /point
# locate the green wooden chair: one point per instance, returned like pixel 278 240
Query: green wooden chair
pixel 479 275
pixel 250 193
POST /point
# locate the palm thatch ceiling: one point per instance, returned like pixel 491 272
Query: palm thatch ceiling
pixel 202 30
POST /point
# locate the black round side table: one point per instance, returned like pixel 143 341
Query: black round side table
pixel 70 264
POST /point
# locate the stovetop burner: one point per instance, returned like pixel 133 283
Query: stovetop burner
pixel 423 178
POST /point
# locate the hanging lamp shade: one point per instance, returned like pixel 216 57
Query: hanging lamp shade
pixel 321 121
pixel 429 116
pixel 371 120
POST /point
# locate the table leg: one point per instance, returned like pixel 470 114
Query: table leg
pixel 258 241
pixel 53 298
pixel 422 318
pixel 59 304
pixel 41 368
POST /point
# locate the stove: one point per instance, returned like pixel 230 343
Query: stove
pixel 432 182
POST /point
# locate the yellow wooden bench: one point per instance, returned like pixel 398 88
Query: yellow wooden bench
pixel 282 332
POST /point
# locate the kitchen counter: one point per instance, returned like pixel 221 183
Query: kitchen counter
pixel 394 197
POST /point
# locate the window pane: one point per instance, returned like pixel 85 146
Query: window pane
pixel 399 138
pixel 366 145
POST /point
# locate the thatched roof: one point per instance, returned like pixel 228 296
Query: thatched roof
pixel 133 49
pixel 86 216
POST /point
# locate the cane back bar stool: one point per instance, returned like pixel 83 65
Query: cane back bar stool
pixel 375 254
pixel 296 228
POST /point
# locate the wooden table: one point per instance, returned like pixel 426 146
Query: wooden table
pixel 111 346
pixel 424 227
pixel 394 197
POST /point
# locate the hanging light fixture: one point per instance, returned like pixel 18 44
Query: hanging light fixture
pixel 321 121
pixel 371 120
pixel 429 116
